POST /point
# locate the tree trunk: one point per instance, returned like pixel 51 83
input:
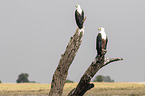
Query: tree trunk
pixel 61 72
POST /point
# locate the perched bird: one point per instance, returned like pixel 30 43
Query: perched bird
pixel 79 16
pixel 101 41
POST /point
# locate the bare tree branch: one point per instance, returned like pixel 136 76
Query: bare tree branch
pixel 110 60
pixel 84 84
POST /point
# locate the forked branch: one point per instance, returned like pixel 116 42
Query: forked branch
pixel 84 84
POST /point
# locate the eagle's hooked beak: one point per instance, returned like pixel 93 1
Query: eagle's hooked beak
pixel 99 29
pixel 76 6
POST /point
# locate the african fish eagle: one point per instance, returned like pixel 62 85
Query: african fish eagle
pixel 101 41
pixel 79 16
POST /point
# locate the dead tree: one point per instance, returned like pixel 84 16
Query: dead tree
pixel 61 72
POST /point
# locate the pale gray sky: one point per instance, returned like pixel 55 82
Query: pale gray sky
pixel 34 34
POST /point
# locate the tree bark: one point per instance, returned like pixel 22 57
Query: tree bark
pixel 84 84
pixel 61 72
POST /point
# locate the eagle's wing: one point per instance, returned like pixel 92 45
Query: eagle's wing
pixel 106 43
pixel 79 19
pixel 99 44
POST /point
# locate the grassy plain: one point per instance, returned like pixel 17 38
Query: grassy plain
pixel 100 89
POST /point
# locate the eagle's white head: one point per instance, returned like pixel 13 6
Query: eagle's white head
pixel 101 29
pixel 78 7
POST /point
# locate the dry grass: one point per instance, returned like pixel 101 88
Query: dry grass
pixel 122 89
pixel 24 89
pixel 100 89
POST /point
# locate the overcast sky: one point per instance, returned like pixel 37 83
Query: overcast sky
pixel 34 34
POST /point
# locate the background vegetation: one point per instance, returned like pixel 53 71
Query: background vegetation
pixel 101 78
pixel 23 78
pixel 69 81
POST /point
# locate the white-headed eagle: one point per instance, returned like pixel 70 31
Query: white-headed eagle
pixel 79 16
pixel 101 41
